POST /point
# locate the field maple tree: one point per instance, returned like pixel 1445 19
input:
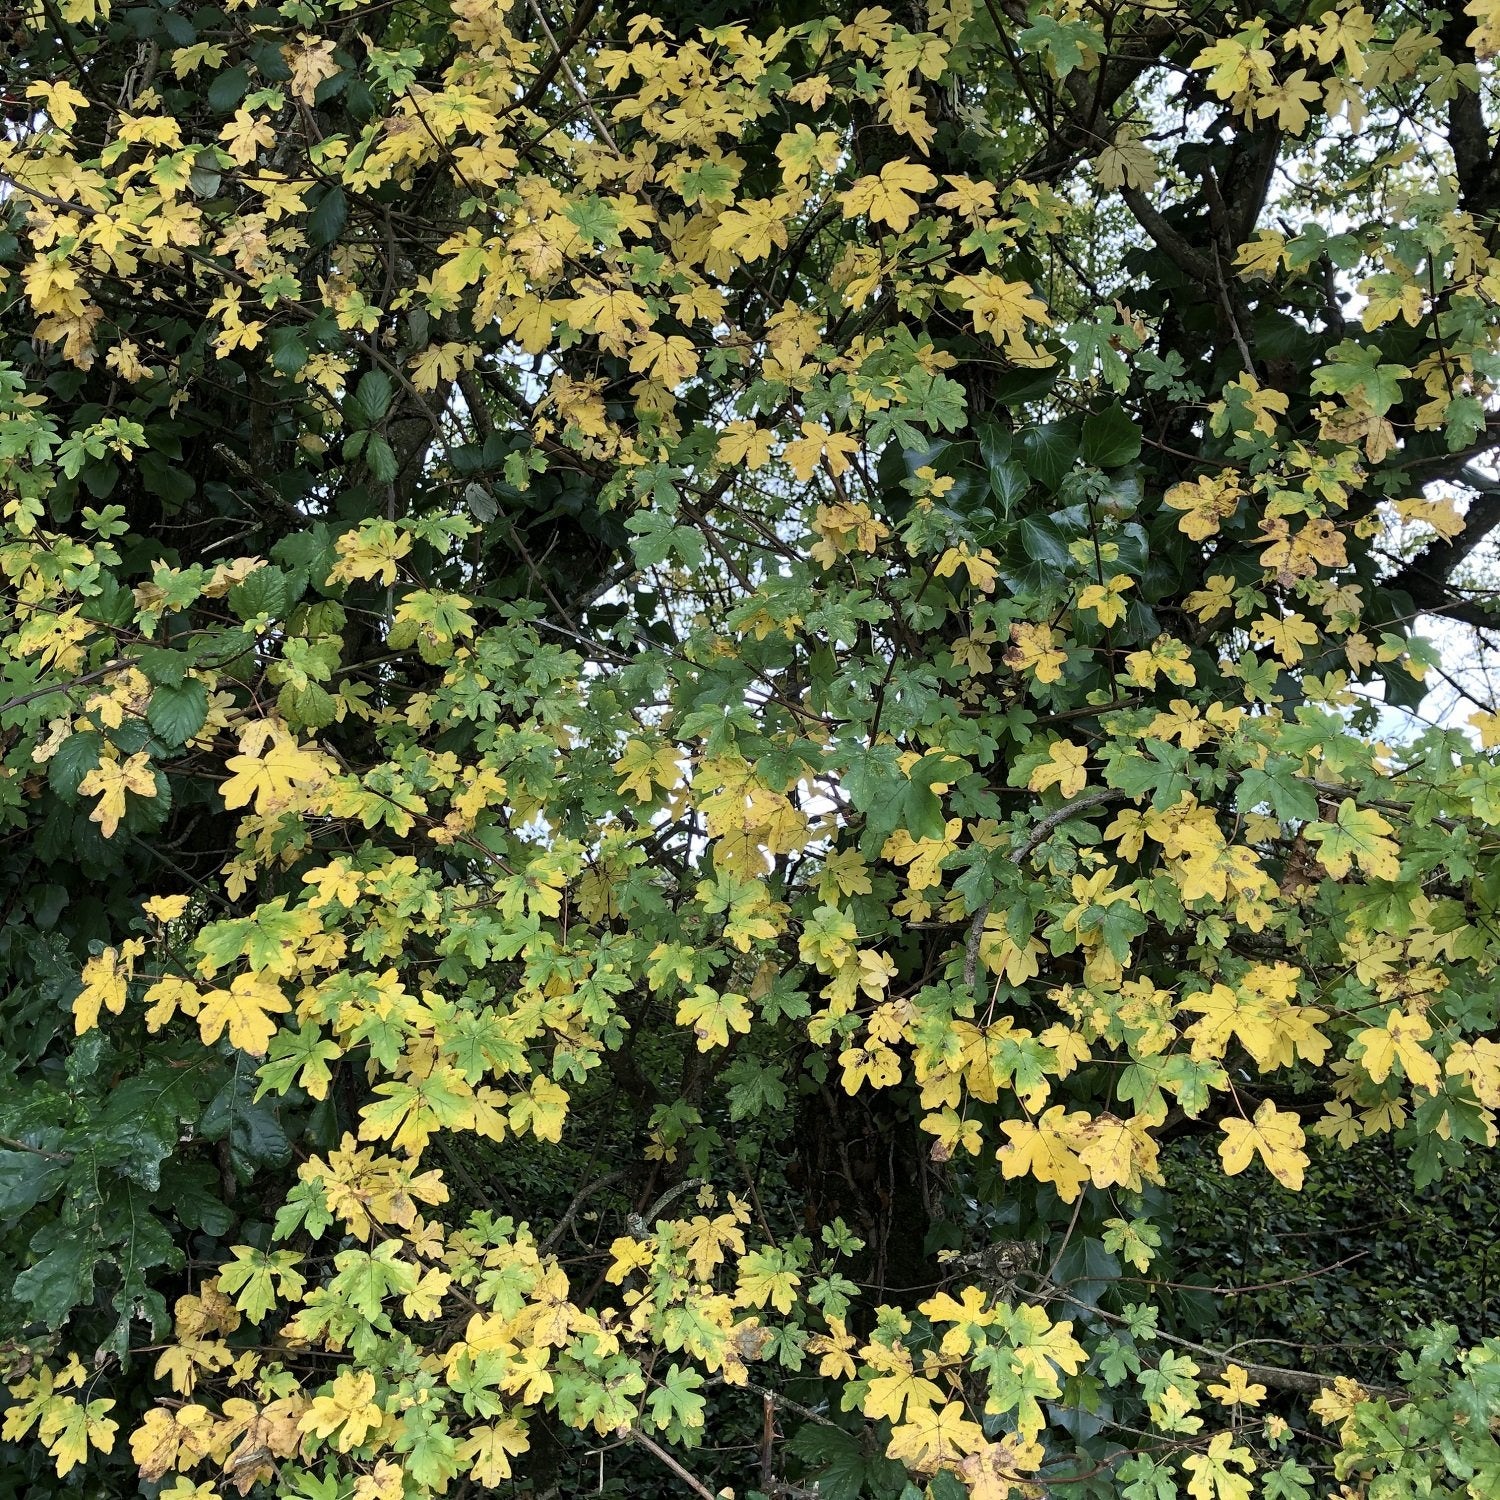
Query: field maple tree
pixel 691 694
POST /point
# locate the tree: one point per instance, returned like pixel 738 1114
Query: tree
pixel 711 726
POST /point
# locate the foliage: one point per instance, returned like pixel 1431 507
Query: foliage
pixel 701 721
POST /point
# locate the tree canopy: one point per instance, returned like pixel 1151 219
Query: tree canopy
pixel 717 760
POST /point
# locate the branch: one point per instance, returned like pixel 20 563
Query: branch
pixel 640 1224
pixel 1468 133
pixel 583 1194
pixel 1168 240
pixel 635 1435
pixel 14 1145
pixel 581 18
pixel 1425 577
pixel 1307 1382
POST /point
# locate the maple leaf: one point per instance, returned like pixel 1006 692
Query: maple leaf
pixel 889 1395
pixel 165 908
pixel 540 1109
pixel 1356 836
pixel 1275 1134
pixel 705 1241
pixel 1211 1478
pixel 1288 101
pixel 410 1112
pixel 1379 1048
pixel 1033 649
pixel 246 135
pixel 833 1351
pixel 643 764
pixel 752 229
pixel 489 1449
pixel 1127 163
pixel 1206 502
pixel 1236 1389
pixel 110 780
pixel 69 1429
pixel 256 1278
pixel 744 442
pixel 1110 1150
pixel 712 1015
pixel 1262 256
pixel 935 1437
pixel 282 776
pixel 982 567
pixel 953 1133
pixel 311 62
pixel 1063 768
pixel 1105 599
pixel 669 359
pixel 246 1008
pixel 1000 308
pixel 1047 1150
pixel 1287 635
pixel 350 1409
pixel 886 198
pixel 106 978
pixel 767 1276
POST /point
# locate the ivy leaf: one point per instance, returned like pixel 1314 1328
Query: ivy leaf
pixel 1111 438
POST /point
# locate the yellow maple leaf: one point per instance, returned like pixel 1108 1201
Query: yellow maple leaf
pixel 744 442
pixel 833 1351
pixel 1063 768
pixel 349 1409
pixel 901 1390
pixel 245 135
pixel 937 1436
pixel 643 764
pixel 711 1016
pixel 105 977
pixel 1047 1150
pixel 1104 598
pixel 278 778
pixel 246 1008
pixel 1212 1479
pixel 110 780
pixel 804 453
pixel 1399 1040
pixel 1286 636
pixel 488 1450
pixel 886 198
pixel 1358 835
pixel 69 1429
pixel 670 359
pixel 1275 1134
pixel 1236 1389
pixel 1000 308
pixel 1033 649
pixel 1206 501
pixel 1288 101
pixel 165 908
pixel 982 567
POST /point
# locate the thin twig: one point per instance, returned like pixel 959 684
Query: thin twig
pixel 635 1435
pixel 584 1193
